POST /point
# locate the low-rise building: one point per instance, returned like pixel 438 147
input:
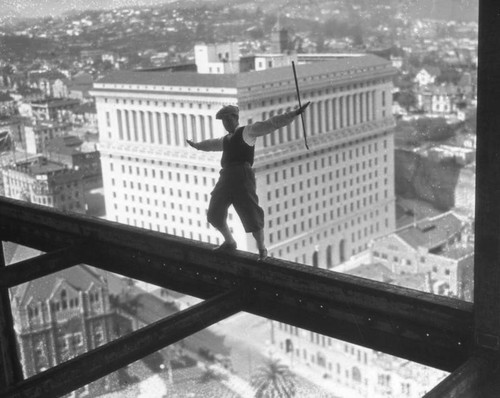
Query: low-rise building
pixel 461 155
pixel 427 76
pixel 49 82
pixel 7 105
pixel 439 247
pixel 11 132
pixel 39 180
pixel 63 315
pixel 54 109
pixel 72 151
pixel 38 133
pixel 86 115
pixel 354 371
pixel 438 100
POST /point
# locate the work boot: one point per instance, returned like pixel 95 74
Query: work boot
pixel 226 247
pixel 262 255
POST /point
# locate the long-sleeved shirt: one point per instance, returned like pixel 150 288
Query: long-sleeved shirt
pixel 252 131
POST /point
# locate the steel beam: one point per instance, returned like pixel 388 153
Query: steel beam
pixel 429 329
pixel 75 373
pixel 487 234
pixel 468 380
pixel 39 266
pixel 417 326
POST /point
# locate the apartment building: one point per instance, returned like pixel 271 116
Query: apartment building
pixel 321 205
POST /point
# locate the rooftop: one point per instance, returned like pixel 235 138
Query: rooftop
pixel 55 102
pixel 431 232
pixel 67 145
pixel 162 78
pixel 58 173
pixel 80 277
pixel 458 251
pixel 379 272
pixel 50 75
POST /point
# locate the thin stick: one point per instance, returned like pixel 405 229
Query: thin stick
pixel 300 105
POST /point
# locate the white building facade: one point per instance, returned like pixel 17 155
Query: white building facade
pixel 322 206
pixel 349 370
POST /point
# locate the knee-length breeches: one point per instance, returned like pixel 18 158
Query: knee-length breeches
pixel 236 186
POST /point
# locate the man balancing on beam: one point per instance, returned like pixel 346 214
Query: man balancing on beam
pixel 236 185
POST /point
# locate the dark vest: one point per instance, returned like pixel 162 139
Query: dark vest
pixel 235 150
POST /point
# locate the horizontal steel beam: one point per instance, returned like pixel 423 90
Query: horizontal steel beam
pixel 39 266
pixel 75 373
pixel 429 329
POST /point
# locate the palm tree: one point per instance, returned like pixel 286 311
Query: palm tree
pixel 273 380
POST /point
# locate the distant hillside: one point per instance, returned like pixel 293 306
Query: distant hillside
pixel 19 46
pixel 449 10
pixel 44 8
pixel 461 10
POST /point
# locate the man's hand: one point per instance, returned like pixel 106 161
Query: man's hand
pixel 193 144
pixel 302 108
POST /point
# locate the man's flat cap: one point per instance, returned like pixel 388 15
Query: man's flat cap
pixel 227 110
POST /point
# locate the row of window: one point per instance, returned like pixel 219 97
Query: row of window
pixel 321 164
pixel 161 127
pixel 156 175
pixel 174 128
pixel 320 360
pixel 327 115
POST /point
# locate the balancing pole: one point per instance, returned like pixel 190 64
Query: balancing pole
pixel 300 105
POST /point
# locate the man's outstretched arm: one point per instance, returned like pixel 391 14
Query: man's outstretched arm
pixel 214 144
pixel 258 129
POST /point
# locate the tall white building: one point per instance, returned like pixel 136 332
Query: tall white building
pixel 322 205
